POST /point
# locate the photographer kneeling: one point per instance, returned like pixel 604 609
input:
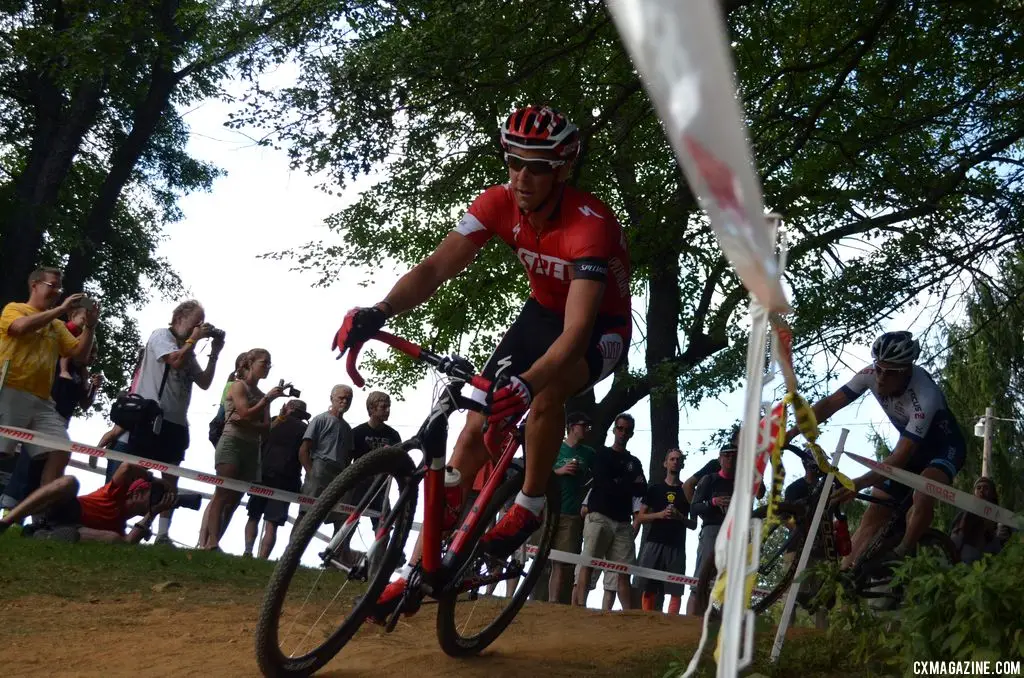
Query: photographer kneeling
pixel 101 515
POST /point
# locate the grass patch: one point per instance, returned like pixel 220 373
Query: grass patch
pixel 84 570
pixel 809 654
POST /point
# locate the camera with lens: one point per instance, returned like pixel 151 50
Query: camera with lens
pixel 189 500
pixel 215 333
pixel 289 390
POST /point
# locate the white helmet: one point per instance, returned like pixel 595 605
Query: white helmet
pixel 899 348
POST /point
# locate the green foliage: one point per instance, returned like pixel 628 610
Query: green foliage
pixel 967 612
pixel 93 155
pixel 984 367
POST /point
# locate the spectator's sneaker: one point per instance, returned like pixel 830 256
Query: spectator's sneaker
pixel 511 532
pixel 389 600
pixel 163 540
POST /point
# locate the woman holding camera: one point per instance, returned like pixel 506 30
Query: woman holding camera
pixel 247 419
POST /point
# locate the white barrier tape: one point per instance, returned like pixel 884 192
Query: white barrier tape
pixel 619 568
pixel 944 493
pixel 33 438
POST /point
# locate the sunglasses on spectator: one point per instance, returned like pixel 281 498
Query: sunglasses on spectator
pixel 890 371
pixel 620 427
pixel 535 166
pixel 52 286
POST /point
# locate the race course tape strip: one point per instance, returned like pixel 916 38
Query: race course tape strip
pixel 48 442
pixel 620 568
pixel 944 493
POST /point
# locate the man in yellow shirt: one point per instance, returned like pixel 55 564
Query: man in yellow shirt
pixel 32 338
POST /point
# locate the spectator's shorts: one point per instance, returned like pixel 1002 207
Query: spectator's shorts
pixel 272 510
pixel 244 455
pixel 318 478
pixel 532 334
pixel 66 513
pixel 168 446
pixel 26 410
pixel 609 540
pixel 705 546
pixel 569 536
pixel 666 558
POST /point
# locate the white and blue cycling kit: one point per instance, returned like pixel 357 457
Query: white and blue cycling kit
pixel 921 414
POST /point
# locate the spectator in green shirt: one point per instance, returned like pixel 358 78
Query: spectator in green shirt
pixel 573 467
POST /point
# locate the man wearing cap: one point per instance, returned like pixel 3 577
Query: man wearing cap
pixel 573 467
pixel 281 470
pixel 711 501
pixel 98 516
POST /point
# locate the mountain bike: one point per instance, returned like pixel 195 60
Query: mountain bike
pixel 869 577
pixel 293 641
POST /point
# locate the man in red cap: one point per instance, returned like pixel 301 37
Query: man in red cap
pixel 98 516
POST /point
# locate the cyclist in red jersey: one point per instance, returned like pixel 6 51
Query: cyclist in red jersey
pixel 573 331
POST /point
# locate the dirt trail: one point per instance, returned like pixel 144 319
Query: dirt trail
pixel 165 636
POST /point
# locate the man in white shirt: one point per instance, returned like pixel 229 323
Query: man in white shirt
pixel 166 373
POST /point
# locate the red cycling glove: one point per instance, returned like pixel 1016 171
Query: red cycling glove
pixel 359 325
pixel 509 400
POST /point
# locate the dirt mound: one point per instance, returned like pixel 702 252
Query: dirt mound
pixel 167 636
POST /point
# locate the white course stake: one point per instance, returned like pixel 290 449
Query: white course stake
pixel 805 554
pixel 733 632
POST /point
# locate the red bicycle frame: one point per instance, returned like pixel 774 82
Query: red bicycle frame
pixel 433 443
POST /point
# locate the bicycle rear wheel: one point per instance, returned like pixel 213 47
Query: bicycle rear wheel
pixel 296 634
pixel 471 615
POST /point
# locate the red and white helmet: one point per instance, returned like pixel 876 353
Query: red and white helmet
pixel 541 127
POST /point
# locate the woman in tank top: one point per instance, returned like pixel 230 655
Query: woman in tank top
pixel 247 418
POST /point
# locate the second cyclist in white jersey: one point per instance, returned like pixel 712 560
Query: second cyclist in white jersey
pixel 930 443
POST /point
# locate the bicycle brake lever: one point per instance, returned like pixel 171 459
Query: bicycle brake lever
pixel 350 366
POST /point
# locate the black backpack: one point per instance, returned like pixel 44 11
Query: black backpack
pixel 217 425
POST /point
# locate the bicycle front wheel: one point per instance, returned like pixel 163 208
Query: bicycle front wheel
pixel 311 610
pixel 489 594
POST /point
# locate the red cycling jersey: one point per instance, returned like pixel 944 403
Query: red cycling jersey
pixel 584 241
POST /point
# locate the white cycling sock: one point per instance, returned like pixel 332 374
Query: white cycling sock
pixel 532 504
pixel 163 525
pixel 405 571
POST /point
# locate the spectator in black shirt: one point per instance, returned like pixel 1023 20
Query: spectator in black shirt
pixel 665 509
pixel 369 436
pixel 281 470
pixel 800 489
pixel 710 501
pixel 608 528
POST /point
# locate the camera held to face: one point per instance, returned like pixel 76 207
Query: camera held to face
pixel 189 500
pixel 216 333
pixel 289 390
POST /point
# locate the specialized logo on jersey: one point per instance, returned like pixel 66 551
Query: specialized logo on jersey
pixel 503 364
pixel 587 212
pixel 541 264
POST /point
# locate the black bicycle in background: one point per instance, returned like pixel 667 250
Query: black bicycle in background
pixel 870 577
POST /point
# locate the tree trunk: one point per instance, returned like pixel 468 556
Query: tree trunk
pixel 57 137
pixel 97 228
pixel 662 347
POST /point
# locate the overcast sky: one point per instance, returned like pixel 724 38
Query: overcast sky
pixel 261 206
